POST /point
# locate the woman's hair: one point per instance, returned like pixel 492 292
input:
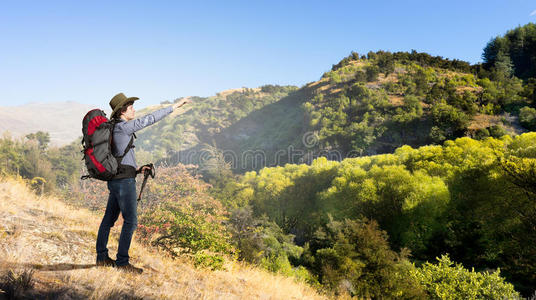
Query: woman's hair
pixel 123 109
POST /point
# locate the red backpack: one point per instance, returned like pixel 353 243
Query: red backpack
pixel 97 142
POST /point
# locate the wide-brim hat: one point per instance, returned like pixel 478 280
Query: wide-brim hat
pixel 118 101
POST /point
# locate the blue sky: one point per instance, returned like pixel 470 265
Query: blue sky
pixel 87 51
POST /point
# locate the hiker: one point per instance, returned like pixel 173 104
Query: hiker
pixel 122 187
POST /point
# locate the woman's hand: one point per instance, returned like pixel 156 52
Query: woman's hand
pixel 142 169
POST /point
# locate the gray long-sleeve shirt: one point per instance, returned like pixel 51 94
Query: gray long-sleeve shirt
pixel 124 130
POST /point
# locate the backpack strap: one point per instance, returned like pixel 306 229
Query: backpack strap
pixel 129 146
pixel 130 143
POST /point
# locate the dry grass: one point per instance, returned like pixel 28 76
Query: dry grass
pixel 483 121
pixel 396 100
pixel 57 242
pixel 471 89
pixel 230 91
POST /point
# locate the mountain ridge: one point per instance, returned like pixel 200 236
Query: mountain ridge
pixel 62 120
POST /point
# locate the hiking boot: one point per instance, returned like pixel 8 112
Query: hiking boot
pixel 130 268
pixel 107 262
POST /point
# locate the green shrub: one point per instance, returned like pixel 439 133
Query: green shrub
pixel 354 257
pixel 527 117
pixel 448 280
pixel 497 131
pixel 360 76
pixel 179 216
pixel 372 73
pixel 263 242
pixel 481 134
pixel 209 261
pixel 334 77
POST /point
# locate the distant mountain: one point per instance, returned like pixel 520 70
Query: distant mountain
pixel 62 120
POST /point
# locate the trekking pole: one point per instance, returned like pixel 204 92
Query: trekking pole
pixel 146 174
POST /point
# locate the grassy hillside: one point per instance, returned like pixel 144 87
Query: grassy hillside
pixel 374 104
pixel 47 251
pixel 366 104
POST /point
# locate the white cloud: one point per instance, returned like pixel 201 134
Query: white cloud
pixel 533 13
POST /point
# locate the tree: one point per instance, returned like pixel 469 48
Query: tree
pixel 529 91
pixel 451 120
pixel 515 51
pixel 527 117
pixel 246 236
pixel 411 110
pixel 503 65
pixel 11 156
pixel 386 63
pixel 360 76
pixel 43 138
pixel 372 73
pixel 355 257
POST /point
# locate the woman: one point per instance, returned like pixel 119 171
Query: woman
pixel 122 187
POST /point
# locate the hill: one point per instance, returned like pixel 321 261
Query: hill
pixel 367 104
pixel 47 252
pixel 187 137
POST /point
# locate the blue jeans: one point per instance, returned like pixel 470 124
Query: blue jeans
pixel 122 199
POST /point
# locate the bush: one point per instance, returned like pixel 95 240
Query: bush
pixel 527 117
pixel 360 76
pixel 449 118
pixel 372 73
pixel 437 135
pixel 447 280
pixel 334 77
pixel 497 131
pixel 209 261
pixel 263 242
pixel 180 217
pixel 15 284
pixel 481 134
pixel 355 257
pixel 181 230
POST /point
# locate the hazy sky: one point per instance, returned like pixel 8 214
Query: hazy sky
pixel 87 51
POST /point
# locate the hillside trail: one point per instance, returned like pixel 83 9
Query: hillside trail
pixel 54 243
